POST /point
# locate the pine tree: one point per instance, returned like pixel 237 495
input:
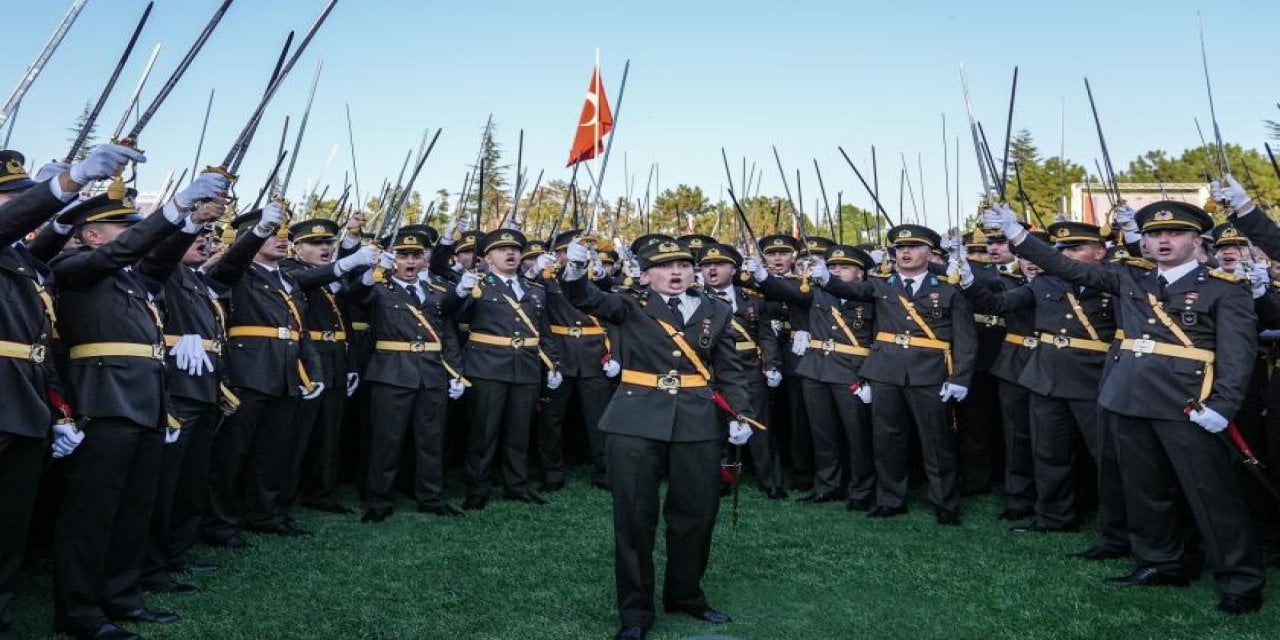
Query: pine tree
pixel 89 141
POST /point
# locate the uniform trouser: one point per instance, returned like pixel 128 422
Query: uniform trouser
pixel 801 431
pixel 20 460
pixel 315 471
pixel 182 491
pixel 1019 462
pixel 979 435
pixel 766 460
pixel 395 412
pixel 252 453
pixel 593 397
pixel 841 425
pixel 1056 423
pixel 636 468
pixel 893 410
pixel 1160 459
pixel 499 411
pixel 102 526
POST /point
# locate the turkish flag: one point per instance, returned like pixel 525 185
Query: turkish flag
pixel 594 124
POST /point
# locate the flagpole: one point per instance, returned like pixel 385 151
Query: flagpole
pixel 616 109
pixel 595 150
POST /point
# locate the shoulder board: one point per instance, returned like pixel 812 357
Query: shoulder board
pixel 1139 263
pixel 1012 276
pixel 876 273
pixel 751 293
pixel 437 287
pixel 534 283
pixel 1229 277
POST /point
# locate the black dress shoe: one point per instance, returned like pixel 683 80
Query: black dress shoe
pixel 1015 514
pixel 376 514
pixel 552 487
pixel 529 497
pixel 631 633
pixel 442 509
pixel 104 631
pixel 946 517
pixel 601 484
pixel 143 614
pixel 1100 553
pixel 858 504
pixel 703 613
pixel 1036 527
pixel 1238 604
pixel 232 541
pixel 193 568
pixel 886 512
pixel 802 485
pixel 1148 577
pixel 328 506
pixel 172 587
pixel 817 498
pixel 775 493
pixel 474 503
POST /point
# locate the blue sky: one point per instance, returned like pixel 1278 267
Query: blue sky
pixel 805 76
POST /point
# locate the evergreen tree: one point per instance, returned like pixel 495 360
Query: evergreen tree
pixel 90 141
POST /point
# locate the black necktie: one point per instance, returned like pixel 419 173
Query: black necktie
pixel 413 293
pixel 1161 283
pixel 511 284
pixel 674 305
pixel 908 284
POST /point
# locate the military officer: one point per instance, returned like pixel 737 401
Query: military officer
pixel 504 357
pixel 1172 386
pixel 676 343
pixel 794 437
pixel 108 319
pixel 413 371
pixel 921 362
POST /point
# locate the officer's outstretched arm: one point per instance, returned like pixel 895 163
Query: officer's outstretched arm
pixel 1098 276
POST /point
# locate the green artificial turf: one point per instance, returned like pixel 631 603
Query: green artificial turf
pixel 788 570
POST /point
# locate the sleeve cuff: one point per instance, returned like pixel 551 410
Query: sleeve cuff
pixel 56 189
pixel 172 214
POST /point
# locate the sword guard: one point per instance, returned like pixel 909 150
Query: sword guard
pixel 222 171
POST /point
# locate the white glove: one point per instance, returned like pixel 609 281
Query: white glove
pixel 633 271
pixel 611 368
pixel 456 388
pixel 1209 420
pixel 104 162
pixel 1124 218
pixel 66 437
pixel 363 257
pixel 387 260
pixel 51 170
pixel 353 383
pixel 773 378
pixel 171 435
pixel 206 186
pixel 1232 194
pixel 272 216
pixel 577 253
pixel 953 391
pixel 1001 217
pixel 543 261
pixel 799 342
pixel 877 256
pixel 819 271
pixel 756 269
pixel 554 379
pixel 446 238
pixel 863 392
pixel 959 266
pixel 316 390
pixel 1259 280
pixel 466 282
pixel 189 355
pixel 739 433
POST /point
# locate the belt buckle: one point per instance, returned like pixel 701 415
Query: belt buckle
pixel 828 345
pixel 283 333
pixel 1061 342
pixel 157 351
pixel 517 342
pixel 328 336
pixel 670 382
pixel 1144 346
pixel 902 339
pixel 1031 342
pixel 417 346
pixel 575 332
pixel 37 353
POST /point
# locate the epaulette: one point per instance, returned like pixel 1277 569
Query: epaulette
pixel 437 287
pixel 876 273
pixel 751 293
pixel 1229 277
pixel 1138 263
pixel 535 283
